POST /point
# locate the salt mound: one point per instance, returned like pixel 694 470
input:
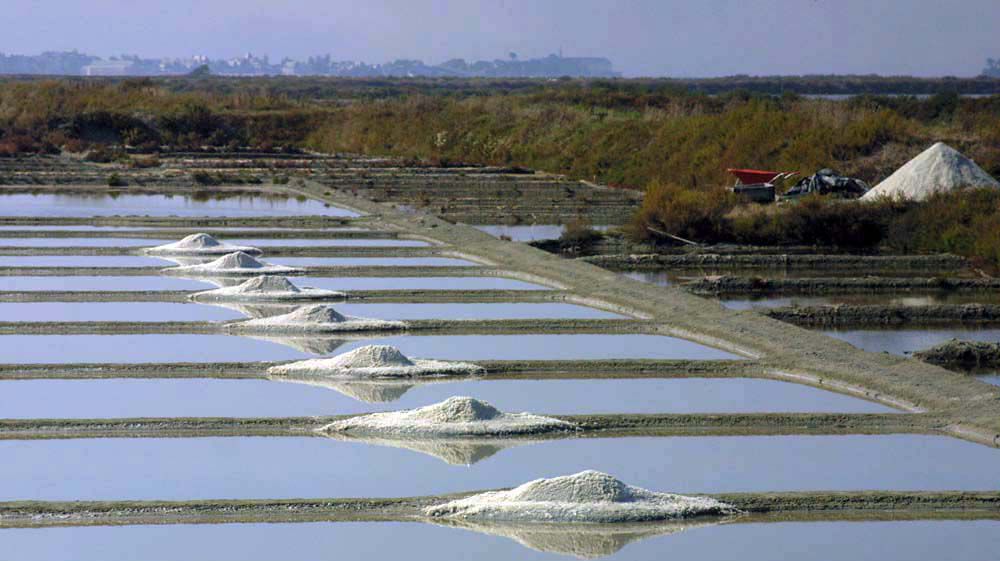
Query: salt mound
pixel 583 541
pixel 940 168
pixel 375 361
pixel 238 263
pixel 200 244
pixel 455 416
pixel 266 288
pixel 588 496
pixel 318 318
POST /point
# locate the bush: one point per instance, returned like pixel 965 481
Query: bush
pixel 205 178
pixel 694 214
pixel 578 236
pixel 115 180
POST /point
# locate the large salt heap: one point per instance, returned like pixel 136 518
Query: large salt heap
pixel 588 496
pixel 319 318
pixel 940 168
pixel 266 288
pixel 455 416
pixel 376 361
pixel 200 244
pixel 233 264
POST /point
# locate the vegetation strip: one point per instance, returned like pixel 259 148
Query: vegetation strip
pixel 732 285
pixel 844 315
pixel 596 426
pixel 856 505
pixel 862 263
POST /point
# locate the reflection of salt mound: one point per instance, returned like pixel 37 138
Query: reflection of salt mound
pixel 238 263
pixel 320 318
pixel 200 244
pixel 940 168
pixel 588 496
pixel 382 391
pixel 254 311
pixel 584 541
pixel 266 288
pixel 377 361
pixel 455 416
pixel 311 344
pixel 454 451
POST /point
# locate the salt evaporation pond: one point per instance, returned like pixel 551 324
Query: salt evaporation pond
pixel 417 283
pixel 199 397
pixel 227 348
pixel 862 300
pixel 506 310
pixel 87 205
pixel 255 242
pixel 975 540
pixel 114 311
pixel 298 467
pixel 87 284
pixel 905 341
pixel 371 261
pixel 96 261
pixel 670 277
pixel 529 232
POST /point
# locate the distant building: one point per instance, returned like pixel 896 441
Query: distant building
pixel 108 68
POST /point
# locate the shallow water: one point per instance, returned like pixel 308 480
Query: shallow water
pixel 862 300
pixel 256 242
pixel 223 348
pixel 506 310
pixel 303 467
pixel 96 261
pixel 371 261
pixel 86 205
pixel 903 341
pixel 529 232
pixel 114 311
pixel 101 283
pixel 81 399
pixel 416 283
pixel 326 541
pixel 81 242
pixel 668 277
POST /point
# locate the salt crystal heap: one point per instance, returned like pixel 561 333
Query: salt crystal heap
pixel 940 168
pixel 455 416
pixel 200 244
pixel 233 264
pixel 588 496
pixel 319 318
pixel 266 288
pixel 376 361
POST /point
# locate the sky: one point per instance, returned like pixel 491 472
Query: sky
pixel 683 38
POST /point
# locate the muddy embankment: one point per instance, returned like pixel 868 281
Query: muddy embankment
pixel 758 507
pixel 861 263
pixel 590 426
pixel 844 315
pixel 968 355
pixel 734 285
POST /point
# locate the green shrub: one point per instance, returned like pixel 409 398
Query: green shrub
pixel 115 180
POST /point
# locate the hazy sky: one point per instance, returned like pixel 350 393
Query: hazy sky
pixel 642 37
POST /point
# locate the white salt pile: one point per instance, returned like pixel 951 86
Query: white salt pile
pixel 377 361
pixel 455 416
pixel 320 318
pixel 588 496
pixel 200 244
pixel 266 288
pixel 238 263
pixel 940 168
